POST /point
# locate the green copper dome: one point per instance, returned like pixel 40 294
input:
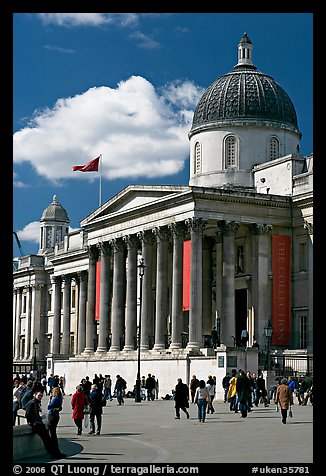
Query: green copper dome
pixel 244 96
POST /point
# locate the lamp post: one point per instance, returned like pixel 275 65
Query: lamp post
pixel 268 331
pixel 141 271
pixel 35 347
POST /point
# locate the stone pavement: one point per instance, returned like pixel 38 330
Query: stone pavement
pixel 147 432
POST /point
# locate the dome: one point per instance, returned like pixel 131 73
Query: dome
pixel 55 212
pixel 244 96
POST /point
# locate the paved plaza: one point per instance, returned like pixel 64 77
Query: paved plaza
pixel 147 432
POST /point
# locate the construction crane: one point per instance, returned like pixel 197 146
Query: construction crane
pixel 19 245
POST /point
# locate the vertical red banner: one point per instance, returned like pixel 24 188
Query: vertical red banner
pixel 186 275
pixel 97 298
pixel 281 267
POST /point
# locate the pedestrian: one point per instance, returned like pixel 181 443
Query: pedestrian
pixel 157 386
pixel 50 383
pixel 28 395
pixel 211 387
pixel 215 341
pixel 225 384
pixel 34 419
pixel 291 384
pixel 79 403
pixel 17 388
pixel 120 387
pixel 62 384
pixel 95 399
pixel 232 392
pixel 44 383
pixel 107 388
pixel 201 399
pixel 243 389
pixel 261 392
pixel 150 387
pixel 194 383
pixel 284 398
pixel 181 399
pixel 54 409
pixel 87 385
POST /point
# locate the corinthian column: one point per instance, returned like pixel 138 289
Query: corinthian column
pixel 228 293
pixel 178 233
pixel 196 226
pixel 91 297
pixel 66 315
pixel 81 338
pixel 56 281
pixel 146 317
pixel 105 250
pixel 162 238
pixel 19 294
pixel 118 294
pixel 132 243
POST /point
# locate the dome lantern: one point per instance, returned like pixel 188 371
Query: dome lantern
pixel 54 226
pixel 245 51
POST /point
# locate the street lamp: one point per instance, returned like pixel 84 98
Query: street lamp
pixel 35 347
pixel 141 270
pixel 268 331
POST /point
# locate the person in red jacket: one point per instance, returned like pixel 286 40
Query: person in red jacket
pixel 79 401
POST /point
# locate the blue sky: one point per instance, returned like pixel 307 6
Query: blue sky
pixel 125 86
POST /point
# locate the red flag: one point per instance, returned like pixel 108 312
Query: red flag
pixel 92 166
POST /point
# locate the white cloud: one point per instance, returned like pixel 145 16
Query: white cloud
pixel 31 232
pixel 59 49
pixel 89 19
pixel 139 131
pixel 144 41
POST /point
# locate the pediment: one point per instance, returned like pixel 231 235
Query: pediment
pixel 133 197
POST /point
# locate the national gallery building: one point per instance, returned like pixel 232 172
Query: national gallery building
pixel 152 271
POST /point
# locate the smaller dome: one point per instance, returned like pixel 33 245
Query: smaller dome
pixel 55 212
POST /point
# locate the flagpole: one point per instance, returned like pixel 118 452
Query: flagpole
pixel 100 197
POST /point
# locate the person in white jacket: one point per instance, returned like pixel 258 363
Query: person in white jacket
pixel 211 387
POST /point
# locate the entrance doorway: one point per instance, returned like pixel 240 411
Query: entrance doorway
pixel 240 313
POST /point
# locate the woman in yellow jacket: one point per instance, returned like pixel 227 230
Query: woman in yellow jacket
pixel 232 392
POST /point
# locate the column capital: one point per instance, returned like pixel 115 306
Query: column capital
pixel 92 251
pixel 146 237
pixel 309 227
pixel 56 279
pixel 66 279
pixel 196 224
pixel 161 233
pixel 177 229
pixel 38 286
pixel 117 244
pixel 104 247
pixel 229 227
pixel 131 241
pixel 258 229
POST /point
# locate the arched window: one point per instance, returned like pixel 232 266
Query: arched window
pixel 197 158
pixel 274 148
pixel 231 152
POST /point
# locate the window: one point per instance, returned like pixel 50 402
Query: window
pixel 197 158
pixel 230 152
pixel 274 148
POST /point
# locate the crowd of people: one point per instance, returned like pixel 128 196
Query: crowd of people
pixel 241 390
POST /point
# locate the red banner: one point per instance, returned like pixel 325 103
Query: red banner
pixel 97 299
pixel 186 275
pixel 281 262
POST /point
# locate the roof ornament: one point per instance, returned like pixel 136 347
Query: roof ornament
pixel 245 51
